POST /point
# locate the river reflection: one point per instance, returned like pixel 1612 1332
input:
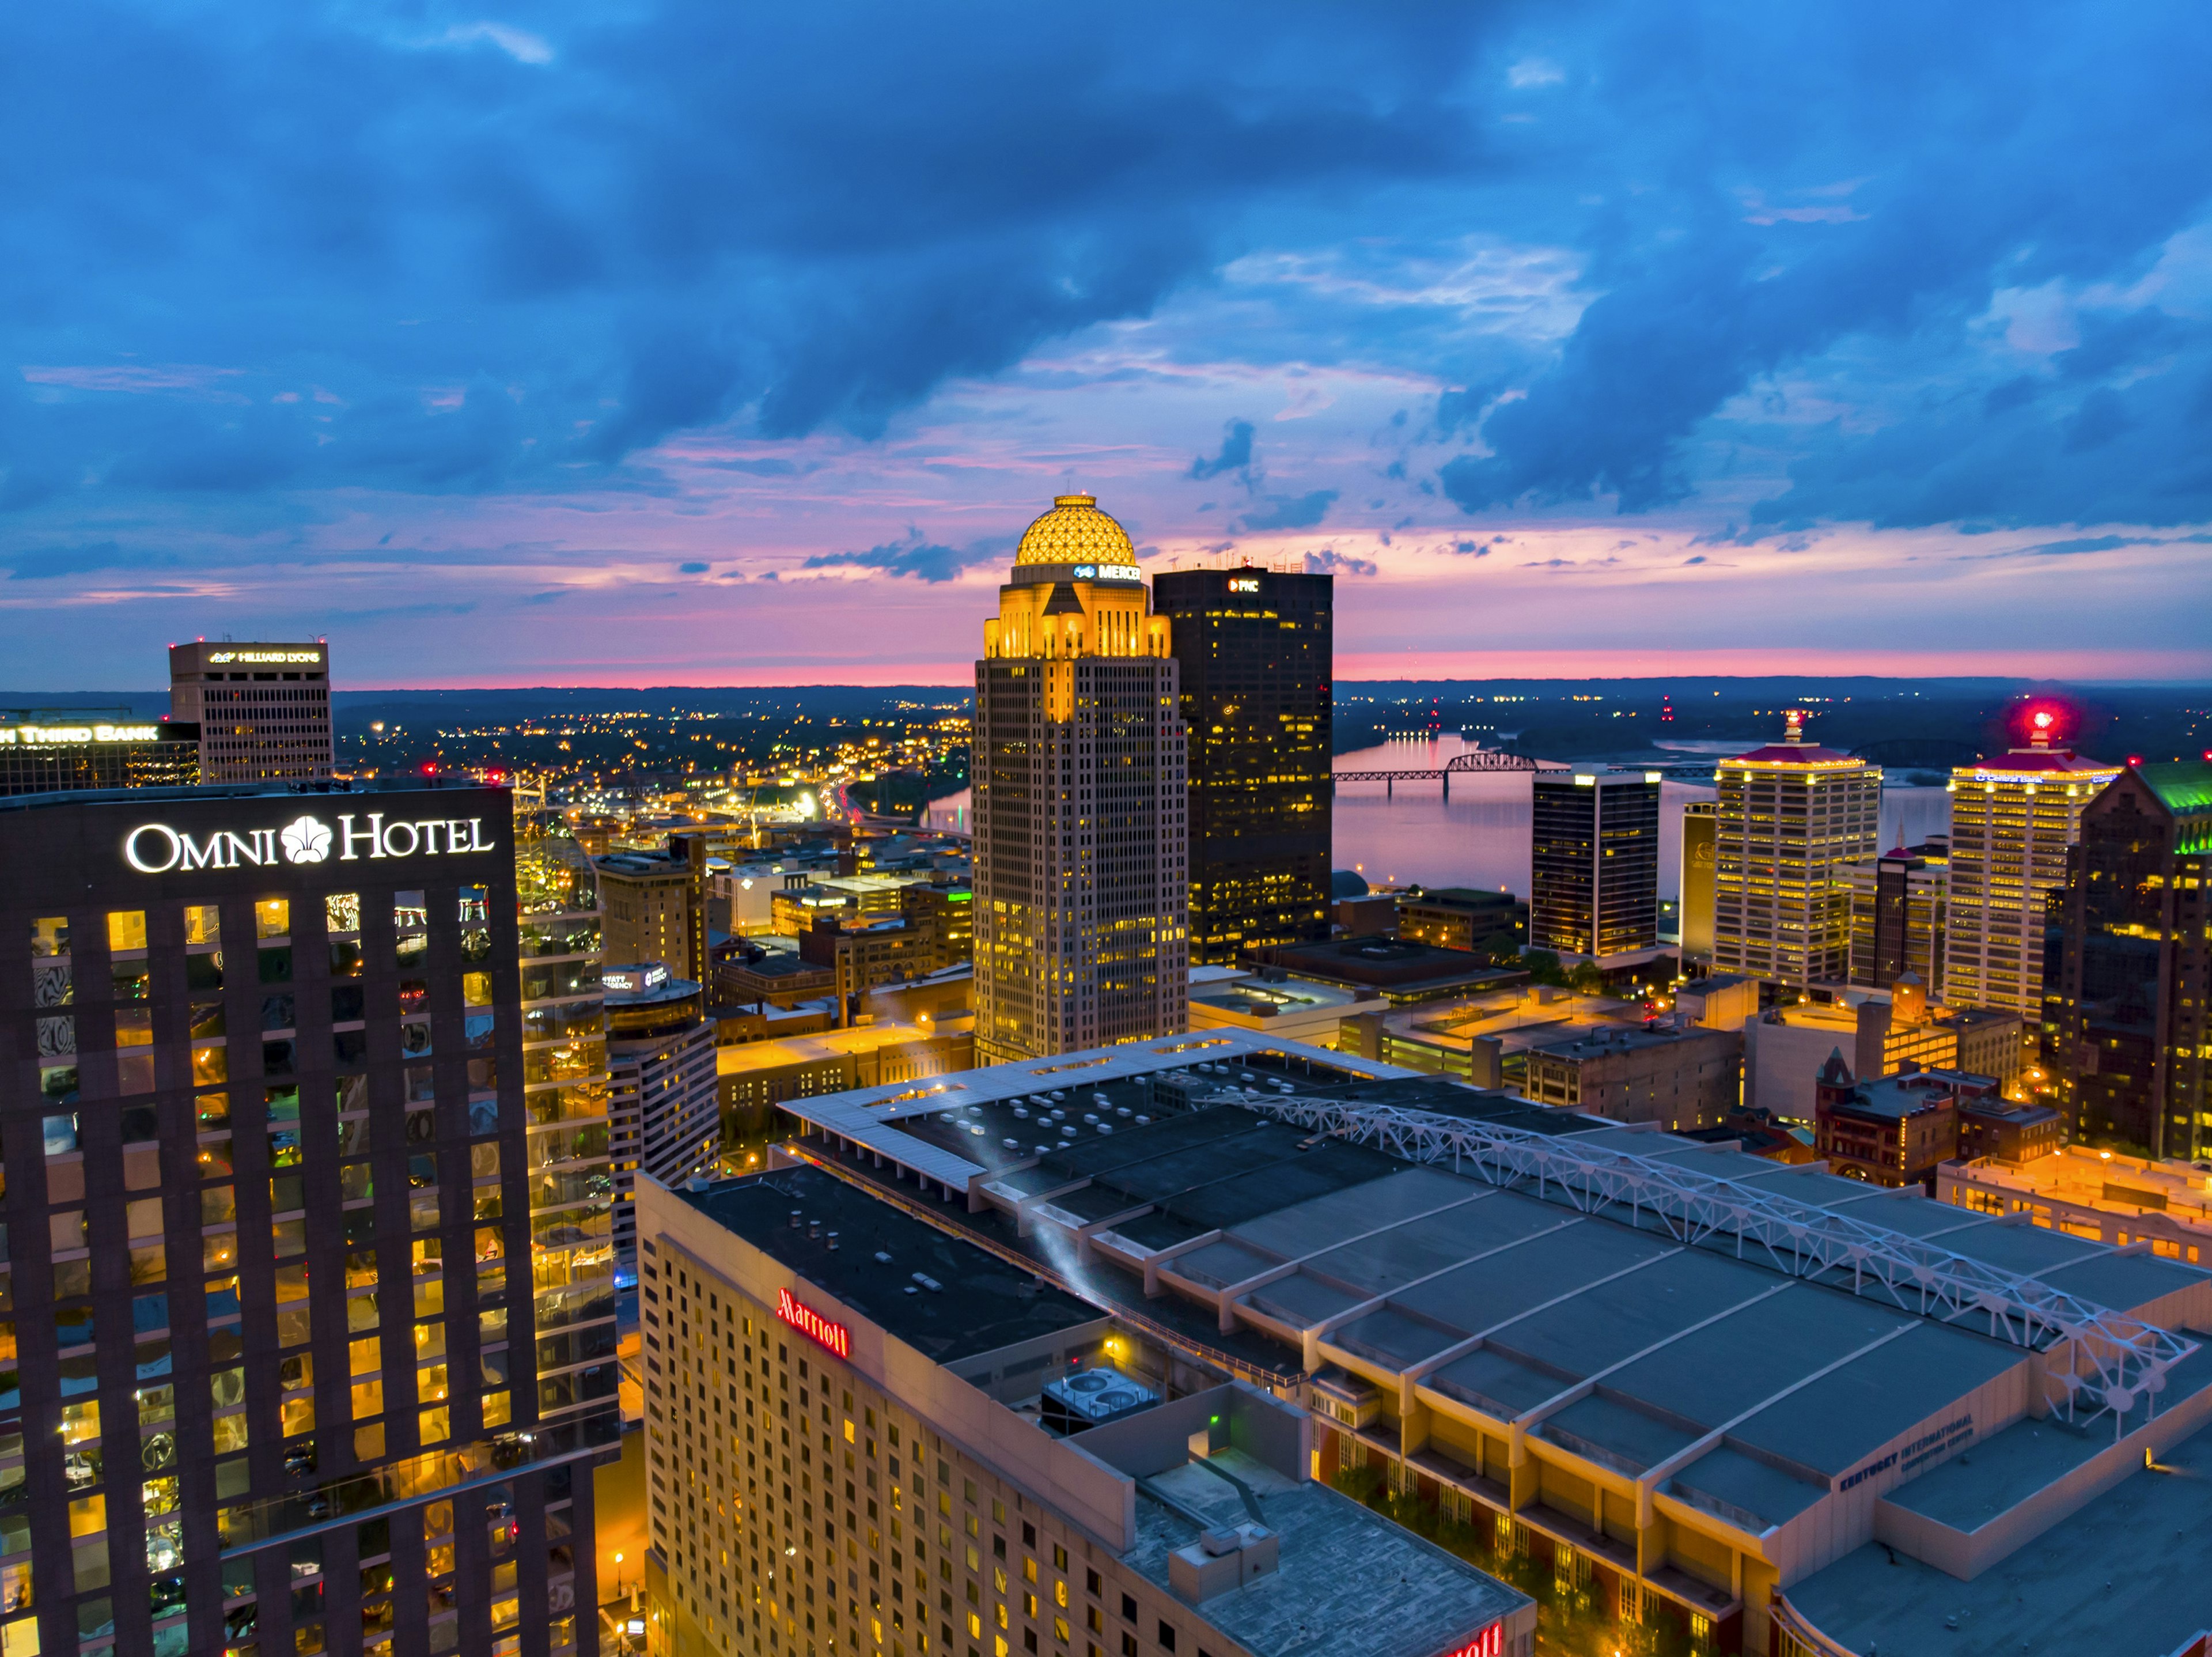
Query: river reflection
pixel 1479 837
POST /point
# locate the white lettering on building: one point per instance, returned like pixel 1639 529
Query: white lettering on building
pixel 156 848
pixel 48 736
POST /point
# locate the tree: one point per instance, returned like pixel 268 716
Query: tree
pixel 1543 967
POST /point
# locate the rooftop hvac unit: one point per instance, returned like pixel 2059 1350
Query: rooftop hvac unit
pixel 1091 1397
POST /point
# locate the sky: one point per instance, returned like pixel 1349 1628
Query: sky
pixel 694 342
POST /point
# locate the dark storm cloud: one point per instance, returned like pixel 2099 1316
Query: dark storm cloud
pixel 261 250
pixel 1236 454
pixel 431 251
pixel 1882 173
pixel 912 556
pixel 1291 511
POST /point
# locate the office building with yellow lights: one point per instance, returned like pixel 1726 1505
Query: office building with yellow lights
pixel 1900 901
pixel 1253 651
pixel 52 751
pixel 664 1111
pixel 2013 818
pixel 263 710
pixel 1081 871
pixel 1793 816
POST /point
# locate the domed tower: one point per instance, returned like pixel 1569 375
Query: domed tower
pixel 1082 936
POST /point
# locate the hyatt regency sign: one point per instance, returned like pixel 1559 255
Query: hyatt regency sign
pixel 156 848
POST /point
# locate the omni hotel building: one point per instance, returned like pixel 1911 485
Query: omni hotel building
pixel 1081 861
pixel 307 1230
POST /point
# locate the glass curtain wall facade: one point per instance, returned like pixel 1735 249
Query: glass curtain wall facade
pixel 1898 903
pixel 1256 652
pixel 2134 1034
pixel 1594 863
pixel 273 1375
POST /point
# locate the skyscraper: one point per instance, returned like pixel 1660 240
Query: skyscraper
pixel 1081 876
pixel 300 1251
pixel 2012 819
pixel 50 751
pixel 2134 1030
pixel 263 710
pixel 1899 904
pixel 664 1112
pixel 1792 815
pixel 1594 863
pixel 653 905
pixel 1253 650
pixel 1695 894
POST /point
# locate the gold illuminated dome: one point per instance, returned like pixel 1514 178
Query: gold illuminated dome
pixel 1075 531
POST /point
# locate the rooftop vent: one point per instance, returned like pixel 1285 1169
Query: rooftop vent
pixel 795 1218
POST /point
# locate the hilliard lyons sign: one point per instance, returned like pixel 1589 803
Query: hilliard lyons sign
pixel 156 848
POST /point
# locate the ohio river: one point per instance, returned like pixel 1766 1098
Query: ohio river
pixel 1479 837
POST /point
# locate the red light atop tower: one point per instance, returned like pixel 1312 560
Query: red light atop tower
pixel 2043 720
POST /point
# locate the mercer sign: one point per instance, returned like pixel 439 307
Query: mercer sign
pixel 156 848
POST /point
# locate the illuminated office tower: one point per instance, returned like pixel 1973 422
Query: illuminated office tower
pixel 1694 896
pixel 1594 863
pixel 2012 819
pixel 1253 654
pixel 664 1091
pixel 1792 816
pixel 263 710
pixel 2134 1026
pixel 1082 879
pixel 272 1198
pixel 54 750
pixel 1898 903
pixel 653 906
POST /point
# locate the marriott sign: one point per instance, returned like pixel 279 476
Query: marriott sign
pixel 156 848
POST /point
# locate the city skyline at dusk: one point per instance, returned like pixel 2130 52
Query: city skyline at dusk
pixel 578 347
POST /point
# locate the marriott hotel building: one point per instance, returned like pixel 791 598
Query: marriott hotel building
pixel 307 1296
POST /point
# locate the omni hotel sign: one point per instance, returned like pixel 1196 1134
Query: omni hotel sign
pixel 156 848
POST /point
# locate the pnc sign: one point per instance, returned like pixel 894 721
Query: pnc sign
pixel 812 1324
pixel 1243 583
pixel 156 848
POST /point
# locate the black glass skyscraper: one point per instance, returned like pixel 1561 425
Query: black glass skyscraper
pixel 1255 650
pixel 1594 863
pixel 2134 944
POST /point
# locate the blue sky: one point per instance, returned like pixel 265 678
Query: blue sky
pixel 701 344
